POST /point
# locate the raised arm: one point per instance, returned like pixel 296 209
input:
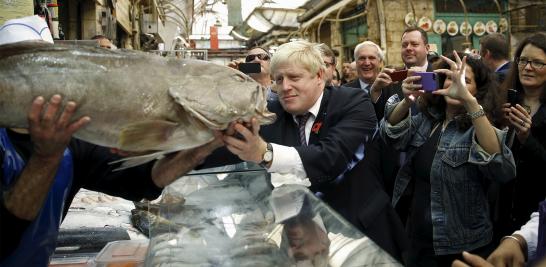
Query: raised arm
pixel 50 135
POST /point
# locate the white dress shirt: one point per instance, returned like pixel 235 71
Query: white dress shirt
pixel 286 159
pixel 529 231
pixel 365 86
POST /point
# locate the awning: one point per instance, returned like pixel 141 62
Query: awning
pixel 326 12
pixel 263 20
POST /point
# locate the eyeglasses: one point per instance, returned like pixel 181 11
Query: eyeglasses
pixel 522 62
pixel 329 64
pixel 250 58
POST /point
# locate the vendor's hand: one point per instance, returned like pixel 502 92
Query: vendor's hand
pixel 521 121
pixel 471 260
pixel 457 89
pixel 245 142
pixel 382 80
pixel 508 253
pixel 411 87
pixel 51 128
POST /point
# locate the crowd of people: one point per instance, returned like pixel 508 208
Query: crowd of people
pixel 462 167
pixel 456 175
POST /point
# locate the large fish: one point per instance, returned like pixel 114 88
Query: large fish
pixel 136 101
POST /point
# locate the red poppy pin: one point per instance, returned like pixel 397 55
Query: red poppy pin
pixel 316 127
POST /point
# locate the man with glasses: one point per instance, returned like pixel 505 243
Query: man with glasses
pixel 329 61
pixel 257 55
pixel 494 53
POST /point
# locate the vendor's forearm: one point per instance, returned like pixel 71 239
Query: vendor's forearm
pixel 173 166
pixel 400 112
pixel 25 199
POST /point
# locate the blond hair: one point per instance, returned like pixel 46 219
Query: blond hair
pixel 303 53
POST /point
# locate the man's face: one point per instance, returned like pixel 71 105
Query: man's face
pixel 298 89
pixel 414 50
pixel 368 63
pixel 264 62
pixel 330 69
pixel 346 69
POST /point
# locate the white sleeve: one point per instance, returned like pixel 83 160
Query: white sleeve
pixel 286 160
pixel 529 231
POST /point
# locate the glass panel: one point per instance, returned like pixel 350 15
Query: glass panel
pixel 230 216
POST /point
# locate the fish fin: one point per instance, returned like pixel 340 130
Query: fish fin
pixel 146 135
pixel 130 162
pixel 160 135
pixel 11 49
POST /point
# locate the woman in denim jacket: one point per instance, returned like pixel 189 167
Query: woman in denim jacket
pixel 453 152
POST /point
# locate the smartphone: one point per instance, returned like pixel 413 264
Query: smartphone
pixel 250 67
pixel 512 97
pixel 429 81
pixel 398 75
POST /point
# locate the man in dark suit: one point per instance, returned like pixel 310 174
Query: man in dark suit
pixel 369 60
pixel 332 142
pixel 494 51
pixel 414 52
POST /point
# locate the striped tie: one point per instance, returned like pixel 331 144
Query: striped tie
pixel 302 119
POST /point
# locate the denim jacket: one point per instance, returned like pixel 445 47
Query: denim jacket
pixel 459 175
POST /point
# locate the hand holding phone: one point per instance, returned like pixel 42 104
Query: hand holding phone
pixel 398 75
pixel 512 97
pixel 429 81
pixel 250 67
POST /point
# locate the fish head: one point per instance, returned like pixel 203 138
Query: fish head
pixel 217 95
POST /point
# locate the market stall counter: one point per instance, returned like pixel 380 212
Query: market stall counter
pixel 232 216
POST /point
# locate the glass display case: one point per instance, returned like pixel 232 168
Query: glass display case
pixel 232 216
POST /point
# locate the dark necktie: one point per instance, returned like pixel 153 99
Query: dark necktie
pixel 302 119
pixel 367 89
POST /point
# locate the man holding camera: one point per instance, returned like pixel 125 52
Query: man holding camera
pixel 256 55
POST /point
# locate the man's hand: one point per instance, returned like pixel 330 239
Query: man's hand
pixel 471 261
pixel 234 64
pixel 249 146
pixel 508 253
pixel 50 131
pixel 383 79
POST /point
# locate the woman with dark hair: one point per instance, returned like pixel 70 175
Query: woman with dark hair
pixel 453 152
pixel 527 118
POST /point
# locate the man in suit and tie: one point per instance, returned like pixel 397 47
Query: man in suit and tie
pixel 319 135
pixel 414 52
pixel 494 52
pixel 369 60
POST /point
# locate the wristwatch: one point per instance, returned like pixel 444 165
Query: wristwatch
pixel 476 114
pixel 267 157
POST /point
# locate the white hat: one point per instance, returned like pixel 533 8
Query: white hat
pixel 24 29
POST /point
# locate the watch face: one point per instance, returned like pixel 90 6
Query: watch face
pixel 268 156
